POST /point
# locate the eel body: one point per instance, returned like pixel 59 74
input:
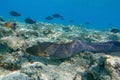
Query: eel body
pixel 60 51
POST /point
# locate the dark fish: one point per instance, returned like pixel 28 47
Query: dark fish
pixel 1 19
pixel 14 13
pixel 71 21
pixel 87 23
pixel 62 18
pixel 110 24
pixel 114 30
pixel 48 18
pixel 29 21
pixel 57 15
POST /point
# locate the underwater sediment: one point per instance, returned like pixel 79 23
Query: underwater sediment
pixel 17 64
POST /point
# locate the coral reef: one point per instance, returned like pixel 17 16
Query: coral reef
pixel 17 64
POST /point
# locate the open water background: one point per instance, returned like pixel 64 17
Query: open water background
pixel 101 14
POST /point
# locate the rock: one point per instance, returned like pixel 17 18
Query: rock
pixel 113 37
pixel 27 33
pixel 14 76
pixel 9 62
pixel 107 68
pixel 5 32
pixel 3 48
pixel 12 42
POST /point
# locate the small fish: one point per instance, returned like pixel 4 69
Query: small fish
pixel 110 24
pixel 11 25
pixel 14 13
pixel 62 18
pixel 87 23
pixel 71 21
pixel 48 18
pixel 29 21
pixel 57 15
pixel 114 30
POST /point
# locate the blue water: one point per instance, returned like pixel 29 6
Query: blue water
pixel 101 14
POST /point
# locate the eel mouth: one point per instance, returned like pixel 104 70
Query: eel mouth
pixel 36 50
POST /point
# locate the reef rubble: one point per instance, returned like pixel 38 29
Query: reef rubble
pixel 17 64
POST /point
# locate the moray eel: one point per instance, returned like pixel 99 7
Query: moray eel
pixel 60 51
